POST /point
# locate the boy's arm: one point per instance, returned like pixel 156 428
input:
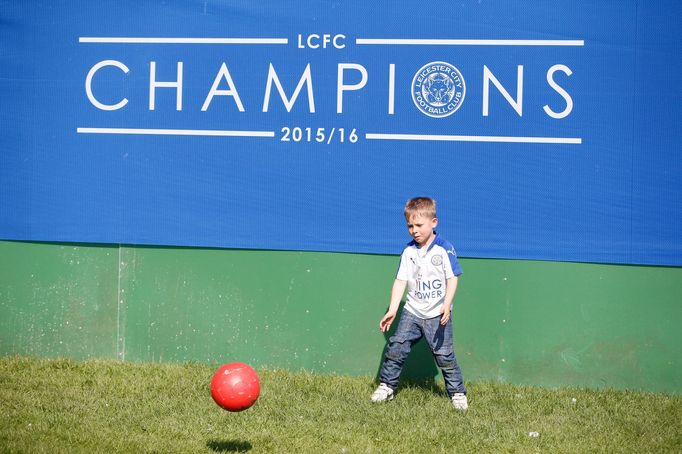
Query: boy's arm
pixel 397 292
pixel 450 289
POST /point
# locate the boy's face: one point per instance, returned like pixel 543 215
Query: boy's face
pixel 421 228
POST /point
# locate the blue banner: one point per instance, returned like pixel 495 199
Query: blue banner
pixel 545 130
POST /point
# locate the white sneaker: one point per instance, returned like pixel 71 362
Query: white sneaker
pixel 460 402
pixel 382 394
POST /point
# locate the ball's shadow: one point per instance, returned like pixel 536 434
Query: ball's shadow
pixel 229 445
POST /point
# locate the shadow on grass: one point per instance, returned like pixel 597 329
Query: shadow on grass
pixel 229 445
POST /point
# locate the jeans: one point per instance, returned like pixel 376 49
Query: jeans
pixel 439 337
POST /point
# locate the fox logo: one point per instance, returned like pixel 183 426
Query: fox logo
pixel 438 89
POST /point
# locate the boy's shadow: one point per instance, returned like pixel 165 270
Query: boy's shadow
pixel 420 366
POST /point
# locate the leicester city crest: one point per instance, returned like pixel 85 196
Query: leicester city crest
pixel 438 89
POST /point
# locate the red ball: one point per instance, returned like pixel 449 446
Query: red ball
pixel 235 386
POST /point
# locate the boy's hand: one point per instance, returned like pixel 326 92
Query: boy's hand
pixel 385 323
pixel 446 315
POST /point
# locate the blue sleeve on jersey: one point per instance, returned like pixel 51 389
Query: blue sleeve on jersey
pixel 452 255
pixel 456 269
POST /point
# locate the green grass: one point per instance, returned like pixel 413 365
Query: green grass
pixel 105 406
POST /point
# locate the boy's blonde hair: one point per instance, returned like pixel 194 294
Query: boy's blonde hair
pixel 420 206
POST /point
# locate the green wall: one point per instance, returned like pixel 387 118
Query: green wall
pixel 524 322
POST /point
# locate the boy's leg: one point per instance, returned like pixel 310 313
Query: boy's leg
pixel 399 346
pixel 440 341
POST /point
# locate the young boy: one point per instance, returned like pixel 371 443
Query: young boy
pixel 429 269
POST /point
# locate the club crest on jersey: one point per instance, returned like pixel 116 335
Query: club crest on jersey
pixel 436 260
pixel 438 89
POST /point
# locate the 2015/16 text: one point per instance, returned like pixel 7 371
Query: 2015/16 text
pixel 319 135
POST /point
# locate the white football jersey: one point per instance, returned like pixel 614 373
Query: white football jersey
pixel 426 273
